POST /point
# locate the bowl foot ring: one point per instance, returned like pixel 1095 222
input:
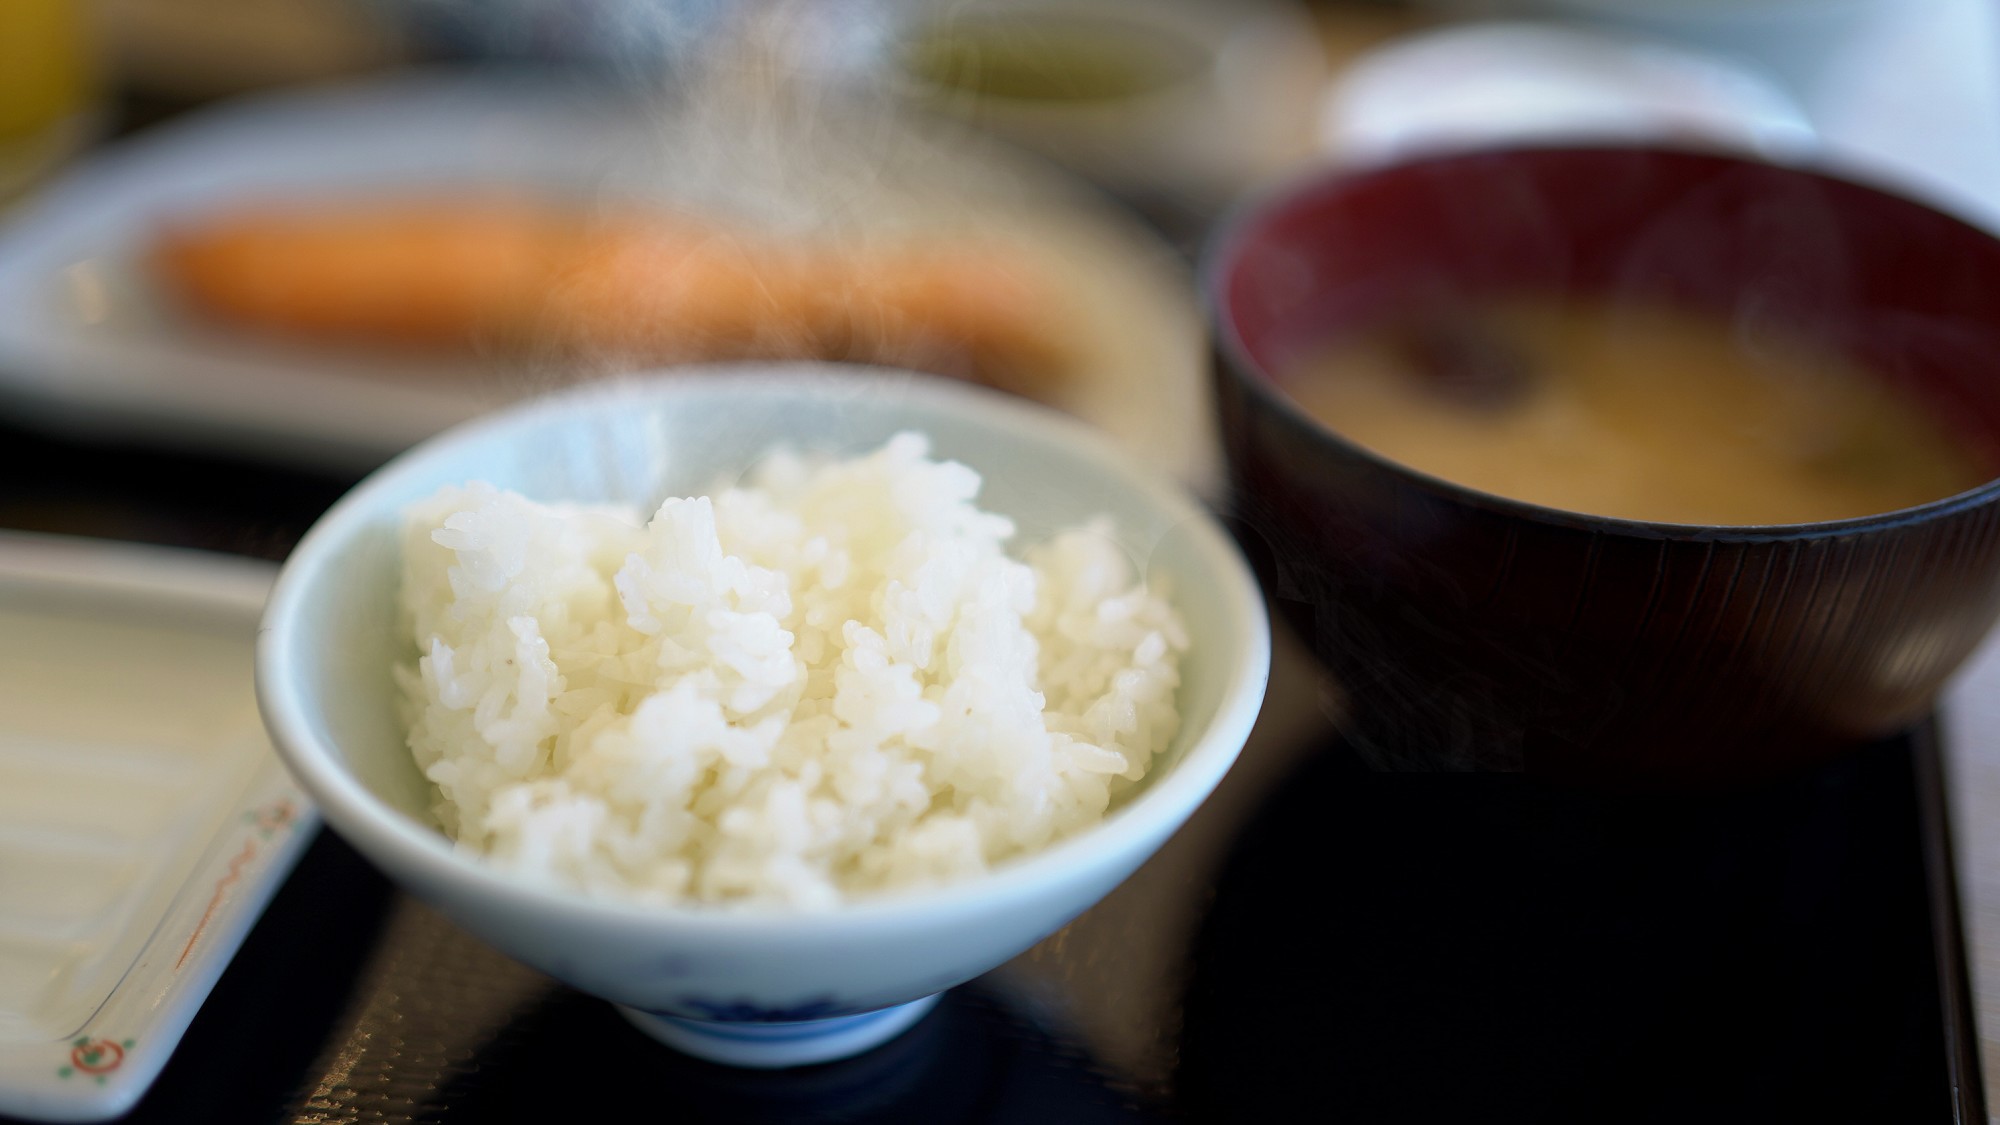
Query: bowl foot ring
pixel 770 1046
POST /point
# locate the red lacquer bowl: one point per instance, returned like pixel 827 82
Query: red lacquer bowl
pixel 1471 631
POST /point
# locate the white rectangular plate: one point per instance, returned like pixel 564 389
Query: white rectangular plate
pixel 144 818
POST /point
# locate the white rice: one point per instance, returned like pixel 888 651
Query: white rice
pixel 831 682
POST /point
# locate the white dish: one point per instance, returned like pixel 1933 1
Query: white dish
pixel 87 340
pixel 144 820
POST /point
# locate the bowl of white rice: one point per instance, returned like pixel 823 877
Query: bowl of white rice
pixel 767 702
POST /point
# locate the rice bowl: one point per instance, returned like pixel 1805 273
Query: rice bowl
pixel 331 638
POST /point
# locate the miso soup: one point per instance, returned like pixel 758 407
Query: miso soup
pixel 1636 411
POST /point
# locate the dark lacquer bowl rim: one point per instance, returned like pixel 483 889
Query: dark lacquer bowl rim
pixel 1223 248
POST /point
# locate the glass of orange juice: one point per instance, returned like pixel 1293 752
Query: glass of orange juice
pixel 48 88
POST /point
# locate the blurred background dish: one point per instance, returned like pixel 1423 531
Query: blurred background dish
pixel 1903 94
pixel 637 36
pixel 1806 44
pixel 1178 105
pixel 1482 84
pixel 90 337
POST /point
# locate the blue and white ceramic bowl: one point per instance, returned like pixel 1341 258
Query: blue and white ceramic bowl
pixel 767 988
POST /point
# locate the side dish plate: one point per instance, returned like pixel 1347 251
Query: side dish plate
pixel 87 339
pixel 144 819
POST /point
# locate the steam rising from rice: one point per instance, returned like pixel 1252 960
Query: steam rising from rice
pixel 827 683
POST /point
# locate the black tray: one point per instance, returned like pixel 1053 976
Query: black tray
pixel 1383 947
pixel 1491 949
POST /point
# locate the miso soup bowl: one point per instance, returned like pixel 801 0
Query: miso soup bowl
pixel 764 987
pixel 1472 631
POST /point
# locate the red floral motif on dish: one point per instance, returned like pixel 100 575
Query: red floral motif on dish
pixel 93 1058
pixel 236 864
pixel 96 1056
pixel 275 817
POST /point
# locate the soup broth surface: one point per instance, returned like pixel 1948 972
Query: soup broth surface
pixel 1636 411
